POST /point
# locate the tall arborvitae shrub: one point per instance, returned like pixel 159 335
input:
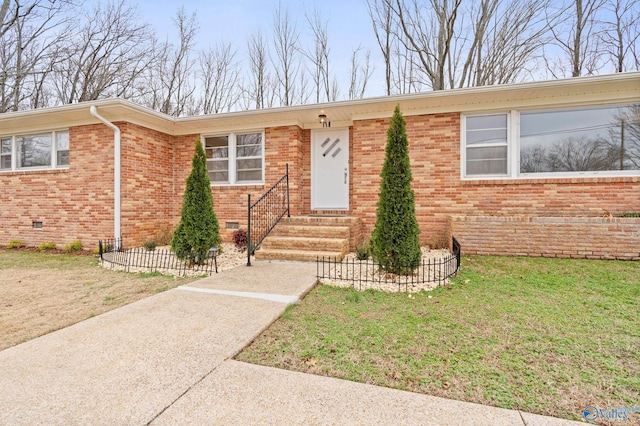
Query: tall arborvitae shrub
pixel 395 244
pixel 198 230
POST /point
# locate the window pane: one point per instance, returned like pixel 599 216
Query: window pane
pixel 249 151
pixel 598 139
pixel 63 158
pixel 217 146
pixel 479 122
pixel 34 151
pixel 487 136
pixel 249 145
pixel 487 129
pixel 250 164
pixel 217 165
pixel 5 154
pixel 250 176
pixel 219 177
pixel 487 161
pixel 62 146
pixel 249 139
pixel 5 146
pixel 62 141
pixel 222 152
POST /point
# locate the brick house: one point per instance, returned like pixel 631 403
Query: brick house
pixel 540 169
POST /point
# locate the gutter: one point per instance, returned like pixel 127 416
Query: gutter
pixel 117 208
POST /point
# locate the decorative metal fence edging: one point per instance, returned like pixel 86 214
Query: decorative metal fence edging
pixel 369 274
pixel 138 259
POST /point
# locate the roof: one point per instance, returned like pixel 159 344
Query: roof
pixel 593 90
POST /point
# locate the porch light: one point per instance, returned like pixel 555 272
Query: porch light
pixel 323 120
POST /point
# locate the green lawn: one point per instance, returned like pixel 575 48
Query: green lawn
pixel 547 336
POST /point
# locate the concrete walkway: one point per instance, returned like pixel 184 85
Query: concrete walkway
pixel 167 360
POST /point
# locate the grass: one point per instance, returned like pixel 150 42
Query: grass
pixel 43 291
pixel 548 336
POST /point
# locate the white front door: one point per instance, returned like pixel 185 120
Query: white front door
pixel 330 169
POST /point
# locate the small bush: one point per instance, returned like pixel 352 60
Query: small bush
pixel 199 229
pixel 74 246
pixel 163 236
pixel 240 239
pixel 362 252
pixel 395 242
pixel 47 245
pixel 150 245
pixel 14 244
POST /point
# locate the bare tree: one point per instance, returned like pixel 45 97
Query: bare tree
pixel 171 82
pixel 576 32
pixel 361 71
pixel 106 56
pixel 450 43
pixel 319 57
pixel 219 73
pixel 382 20
pixel 28 46
pixel 4 12
pixel 258 93
pixel 286 62
pixel 620 37
pixel 406 72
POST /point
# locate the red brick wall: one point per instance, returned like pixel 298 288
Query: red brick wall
pixel 147 182
pixel 576 237
pixel 72 204
pixel 78 203
pixel 283 145
pixel 434 146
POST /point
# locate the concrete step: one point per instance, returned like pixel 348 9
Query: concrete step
pixel 300 255
pixel 315 231
pixel 276 242
pixel 321 220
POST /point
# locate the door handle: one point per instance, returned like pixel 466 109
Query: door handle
pixel 345 175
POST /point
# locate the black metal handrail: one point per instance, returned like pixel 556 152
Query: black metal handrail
pixel 266 212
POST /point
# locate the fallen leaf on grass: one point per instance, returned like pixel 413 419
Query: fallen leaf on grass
pixel 311 362
pixel 467 281
pixel 445 385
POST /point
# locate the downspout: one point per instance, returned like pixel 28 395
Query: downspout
pixel 116 175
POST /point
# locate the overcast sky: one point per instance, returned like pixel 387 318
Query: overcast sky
pixel 232 21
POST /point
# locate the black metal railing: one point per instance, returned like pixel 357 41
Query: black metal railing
pixel 369 274
pixel 266 212
pixel 109 245
pixel 139 259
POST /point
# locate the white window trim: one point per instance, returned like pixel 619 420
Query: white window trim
pixel 463 146
pixel 513 149
pixel 54 153
pixel 232 158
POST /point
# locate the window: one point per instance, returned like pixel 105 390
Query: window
pixel 249 157
pixel 235 158
pixel 487 144
pixel 62 148
pixel 217 150
pixel 34 151
pixel 569 142
pixel 38 151
pixel 588 140
pixel 5 154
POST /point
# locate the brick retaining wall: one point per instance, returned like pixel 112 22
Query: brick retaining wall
pixel 568 237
